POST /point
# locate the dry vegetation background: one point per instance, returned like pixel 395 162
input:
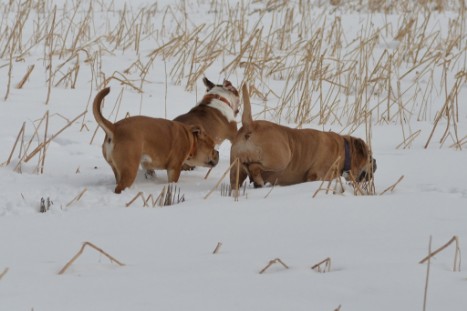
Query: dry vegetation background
pixel 309 63
pixel 330 64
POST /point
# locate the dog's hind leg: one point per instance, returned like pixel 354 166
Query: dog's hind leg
pixel 149 173
pixel 127 172
pixel 311 176
pixel 127 177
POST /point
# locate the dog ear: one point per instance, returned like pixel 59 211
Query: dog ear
pixel 196 130
pixel 360 148
pixel 209 85
pixel 228 85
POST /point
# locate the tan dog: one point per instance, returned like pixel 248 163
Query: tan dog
pixel 277 154
pixel 153 143
pixel 216 112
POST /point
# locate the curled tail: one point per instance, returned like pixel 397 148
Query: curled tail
pixel 106 125
pixel 247 119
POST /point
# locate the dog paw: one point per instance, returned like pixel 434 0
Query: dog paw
pixel 257 185
pixel 186 167
pixel 149 174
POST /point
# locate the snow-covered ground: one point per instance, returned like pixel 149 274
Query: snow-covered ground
pixel 374 242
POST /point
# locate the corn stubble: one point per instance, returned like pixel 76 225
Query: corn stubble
pixel 386 74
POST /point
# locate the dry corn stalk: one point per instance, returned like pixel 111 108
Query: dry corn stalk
pixel 77 198
pixel 392 187
pixel 218 247
pixel 3 273
pixel 169 195
pixel 139 194
pixel 25 78
pixel 457 261
pixel 427 278
pixel 20 135
pixel 72 260
pixel 46 142
pixel 332 173
pixel 271 262
pixel 220 179
pixel 327 265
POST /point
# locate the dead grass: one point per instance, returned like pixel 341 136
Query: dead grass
pixel 77 198
pixel 457 255
pixel 392 73
pixel 4 272
pixel 169 195
pixel 81 250
pixel 322 266
pixel 272 262
pixel 218 247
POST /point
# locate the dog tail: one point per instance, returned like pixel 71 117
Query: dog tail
pixel 106 125
pixel 247 119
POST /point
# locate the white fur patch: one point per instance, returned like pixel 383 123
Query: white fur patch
pixel 146 159
pixel 108 147
pixel 223 108
pixel 226 110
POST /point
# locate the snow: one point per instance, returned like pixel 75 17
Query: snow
pixel 374 242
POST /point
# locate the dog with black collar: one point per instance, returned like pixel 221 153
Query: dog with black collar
pixel 271 153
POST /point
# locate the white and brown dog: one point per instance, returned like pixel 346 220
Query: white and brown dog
pixel 154 143
pixel 276 154
pixel 216 111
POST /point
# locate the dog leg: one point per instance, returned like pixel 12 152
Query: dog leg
pixel 126 170
pixel 127 177
pixel 115 171
pixel 255 174
pixel 242 175
pixel 173 174
pixel 311 176
pixel 149 173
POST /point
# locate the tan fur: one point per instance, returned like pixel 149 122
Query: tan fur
pixel 153 143
pixel 277 154
pixel 217 118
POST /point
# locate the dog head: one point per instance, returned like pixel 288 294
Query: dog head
pixel 203 152
pixel 363 164
pixel 225 90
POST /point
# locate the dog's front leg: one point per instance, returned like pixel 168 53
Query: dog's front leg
pixel 173 174
pixel 236 180
pixel 255 174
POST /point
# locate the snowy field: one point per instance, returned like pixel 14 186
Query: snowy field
pixel 394 75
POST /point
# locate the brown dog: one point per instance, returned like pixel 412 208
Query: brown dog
pixel 153 143
pixel 277 154
pixel 216 112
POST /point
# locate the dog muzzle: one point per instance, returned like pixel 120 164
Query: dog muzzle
pixel 215 159
pixel 364 175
